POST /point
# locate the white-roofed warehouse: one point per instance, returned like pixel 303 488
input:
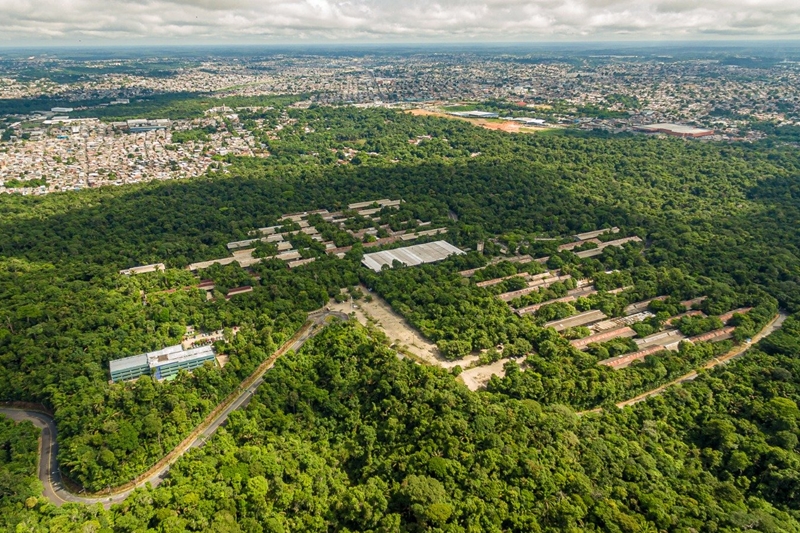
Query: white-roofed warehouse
pixel 411 255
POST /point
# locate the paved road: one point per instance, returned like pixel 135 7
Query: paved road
pixel 57 492
pixel 48 449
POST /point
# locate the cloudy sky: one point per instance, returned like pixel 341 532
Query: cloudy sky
pixel 27 22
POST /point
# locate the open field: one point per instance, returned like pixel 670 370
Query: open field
pixel 478 377
pixel 397 329
pixel 404 335
pixel 489 124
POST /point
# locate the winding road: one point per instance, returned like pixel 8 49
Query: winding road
pixel 737 351
pixel 773 325
pixel 56 490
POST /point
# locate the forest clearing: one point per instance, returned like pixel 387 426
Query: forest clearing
pixel 396 328
pixel 507 126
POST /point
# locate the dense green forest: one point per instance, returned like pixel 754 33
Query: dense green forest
pixel 463 318
pixel 345 437
pixel 19 448
pixel 58 354
pixel 708 209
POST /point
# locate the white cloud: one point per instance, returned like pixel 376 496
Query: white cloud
pixel 220 21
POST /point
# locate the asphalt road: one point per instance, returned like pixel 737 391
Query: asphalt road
pixel 48 449
pixel 49 475
pixel 56 492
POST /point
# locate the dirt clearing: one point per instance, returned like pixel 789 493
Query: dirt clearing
pixel 397 329
pixel 477 378
pixel 507 126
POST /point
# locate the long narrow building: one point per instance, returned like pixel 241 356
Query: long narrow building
pixel 581 344
pixel 162 364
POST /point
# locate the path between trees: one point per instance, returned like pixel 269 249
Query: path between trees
pixel 737 351
pixel 57 491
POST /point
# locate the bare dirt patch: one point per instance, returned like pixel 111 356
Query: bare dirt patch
pixel 477 378
pixel 431 113
pixel 509 127
pixel 489 124
pixel 397 329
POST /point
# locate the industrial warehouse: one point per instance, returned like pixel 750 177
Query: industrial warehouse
pixel 411 255
pixel 676 130
pixel 161 364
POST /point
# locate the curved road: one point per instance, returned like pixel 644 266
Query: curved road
pixel 737 351
pixel 56 492
pixel 49 475
pixel 773 325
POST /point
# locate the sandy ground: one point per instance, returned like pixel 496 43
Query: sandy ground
pixel 507 126
pixel 397 329
pixel 478 377
pixel 429 113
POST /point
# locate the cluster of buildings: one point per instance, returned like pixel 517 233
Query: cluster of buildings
pixel 414 255
pixel 676 130
pixel 120 88
pixel 691 98
pixel 165 364
pixel 279 236
pixel 713 94
pixel 71 154
pixel 603 328
pixel 143 125
pixel 474 114
pixel 144 269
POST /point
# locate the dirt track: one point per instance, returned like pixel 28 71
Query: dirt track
pixel 397 329
pixel 737 351
pixel 773 325
pixel 50 475
pixel 478 377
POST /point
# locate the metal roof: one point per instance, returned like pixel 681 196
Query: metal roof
pixel 170 354
pixel 383 202
pixel 675 128
pixel 176 354
pixel 128 362
pixel 411 255
pixel 595 233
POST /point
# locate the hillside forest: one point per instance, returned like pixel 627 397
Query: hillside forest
pixel 347 436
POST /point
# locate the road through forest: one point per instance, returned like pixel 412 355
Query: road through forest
pixel 56 491
pixel 54 487
pixel 737 351
pixel 772 326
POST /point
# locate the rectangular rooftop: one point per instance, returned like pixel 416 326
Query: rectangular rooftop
pixel 142 269
pixel 411 255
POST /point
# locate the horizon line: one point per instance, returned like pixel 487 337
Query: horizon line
pixel 649 42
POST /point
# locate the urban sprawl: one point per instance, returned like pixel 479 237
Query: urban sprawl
pixel 73 145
